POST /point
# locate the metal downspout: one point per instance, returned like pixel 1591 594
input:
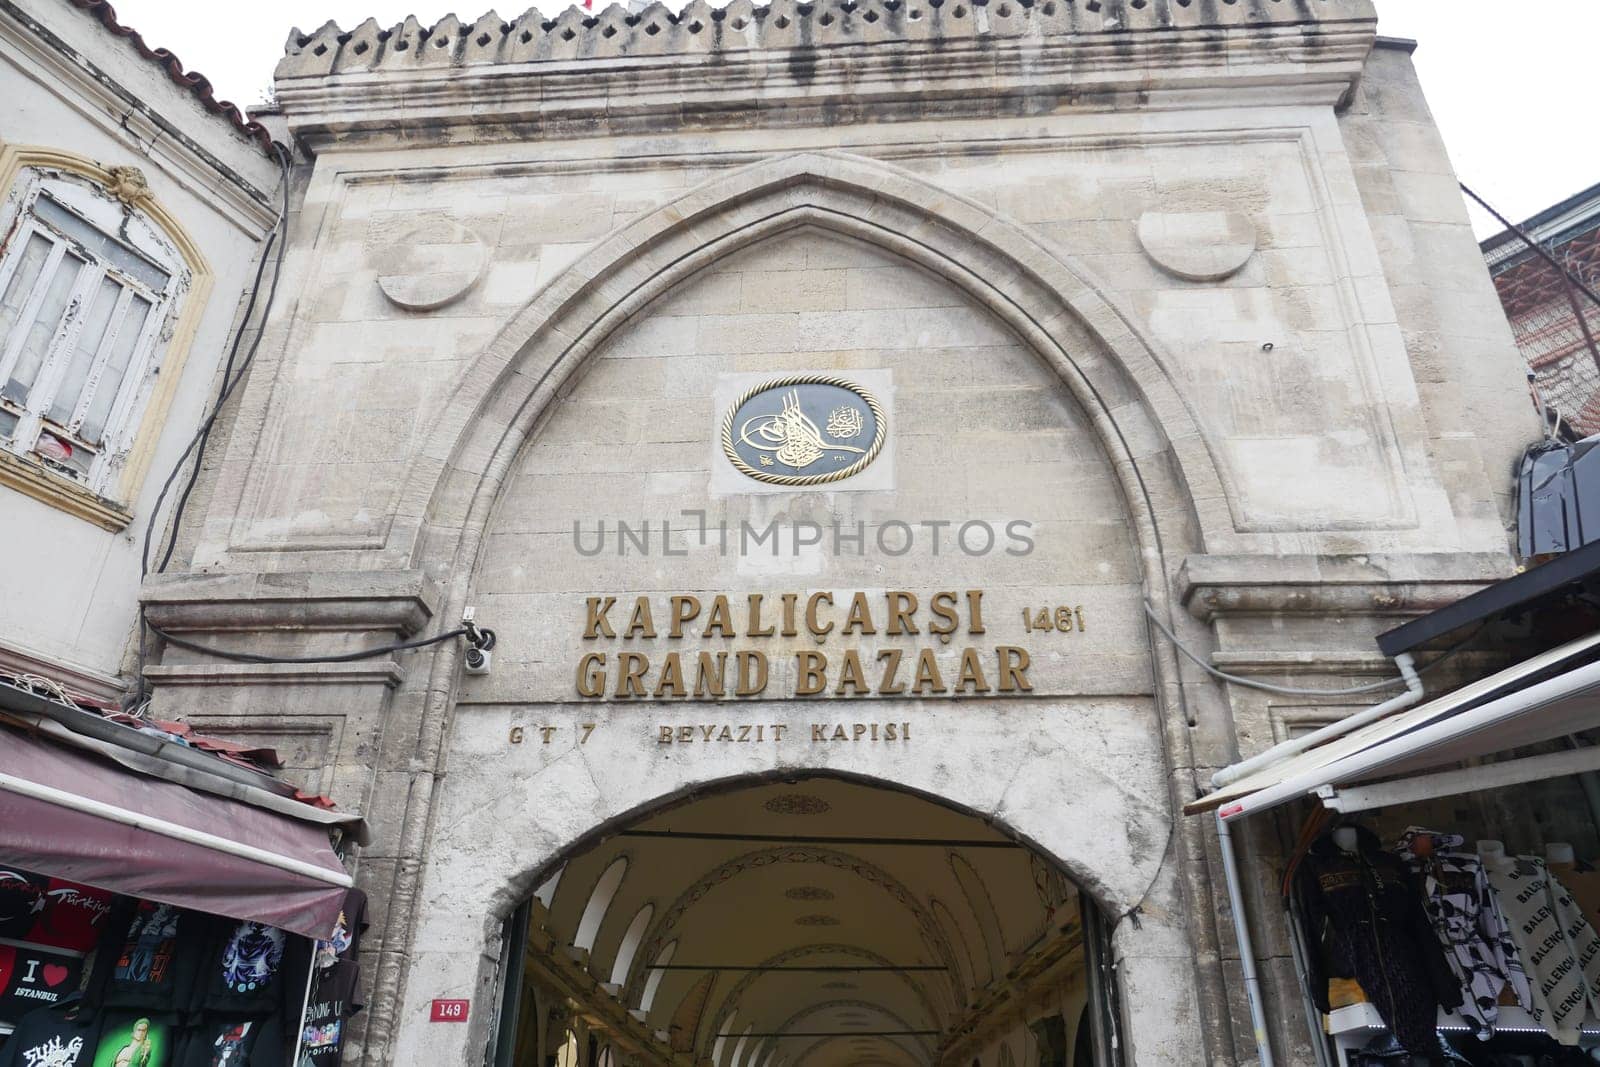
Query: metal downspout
pixel 1247 955
pixel 1296 745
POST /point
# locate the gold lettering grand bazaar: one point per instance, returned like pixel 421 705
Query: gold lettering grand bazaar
pixel 819 616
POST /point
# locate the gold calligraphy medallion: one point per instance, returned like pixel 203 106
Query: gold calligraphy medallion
pixel 797 430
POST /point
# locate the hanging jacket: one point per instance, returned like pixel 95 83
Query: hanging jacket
pixel 1364 912
pixel 1469 924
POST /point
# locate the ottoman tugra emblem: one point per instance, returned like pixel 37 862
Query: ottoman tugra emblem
pixel 804 430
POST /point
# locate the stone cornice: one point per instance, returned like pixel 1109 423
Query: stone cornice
pixel 385 672
pixel 400 602
pixel 1215 586
pixel 797 63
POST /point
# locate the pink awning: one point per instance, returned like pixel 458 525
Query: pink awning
pixel 68 814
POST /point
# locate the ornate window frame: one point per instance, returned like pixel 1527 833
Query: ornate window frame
pixel 106 496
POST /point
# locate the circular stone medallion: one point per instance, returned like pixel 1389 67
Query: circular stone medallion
pixel 1200 245
pixel 805 429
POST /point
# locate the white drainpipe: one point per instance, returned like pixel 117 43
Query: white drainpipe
pixel 1247 955
pixel 1296 745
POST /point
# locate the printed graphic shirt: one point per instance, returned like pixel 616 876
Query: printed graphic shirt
pixel 34 977
pixel 254 968
pixel 1469 925
pixel 136 1039
pixel 346 939
pixel 152 958
pixel 236 1043
pixel 52 1037
pixel 1522 887
pixel 322 1042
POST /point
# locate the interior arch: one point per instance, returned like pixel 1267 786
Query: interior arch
pixel 754 983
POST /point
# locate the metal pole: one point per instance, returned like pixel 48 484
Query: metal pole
pixel 305 1007
pixel 1247 953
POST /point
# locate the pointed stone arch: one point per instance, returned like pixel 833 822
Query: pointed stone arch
pixel 1168 481
pixel 1054 306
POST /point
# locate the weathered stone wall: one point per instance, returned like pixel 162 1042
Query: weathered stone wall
pixel 1148 291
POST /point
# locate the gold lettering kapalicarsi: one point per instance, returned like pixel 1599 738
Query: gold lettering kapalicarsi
pixel 632 673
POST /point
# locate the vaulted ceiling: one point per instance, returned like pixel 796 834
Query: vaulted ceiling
pixel 817 921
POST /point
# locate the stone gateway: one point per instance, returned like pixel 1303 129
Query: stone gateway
pixel 1176 300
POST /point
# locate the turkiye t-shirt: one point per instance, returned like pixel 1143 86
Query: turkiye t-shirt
pixel 74 916
pixel 152 958
pixel 235 1043
pixel 57 1036
pixel 254 969
pixel 331 1005
pixel 136 1039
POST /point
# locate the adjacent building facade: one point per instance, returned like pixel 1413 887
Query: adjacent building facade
pixel 1556 325
pixel 135 206
pixel 828 406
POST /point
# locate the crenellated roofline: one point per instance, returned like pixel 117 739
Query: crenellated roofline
pixel 653 68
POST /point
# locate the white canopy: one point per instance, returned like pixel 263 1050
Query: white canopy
pixel 1497 714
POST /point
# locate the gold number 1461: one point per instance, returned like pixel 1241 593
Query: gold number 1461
pixel 1062 620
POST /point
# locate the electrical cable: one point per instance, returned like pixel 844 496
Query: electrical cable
pixel 230 380
pixel 197 443
pixel 468 632
pixel 1285 690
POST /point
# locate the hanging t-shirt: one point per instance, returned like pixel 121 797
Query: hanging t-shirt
pixel 136 1039
pixel 254 969
pixel 62 1035
pixel 235 1043
pixel 21 901
pixel 152 958
pixel 331 1005
pixel 34 977
pixel 1522 888
pixel 73 918
pixel 346 939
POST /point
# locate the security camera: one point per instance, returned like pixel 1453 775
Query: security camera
pixel 478 660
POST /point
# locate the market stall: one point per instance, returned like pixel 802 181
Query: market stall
pixel 164 901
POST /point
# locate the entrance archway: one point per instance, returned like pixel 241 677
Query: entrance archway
pixel 811 920
pixel 542 749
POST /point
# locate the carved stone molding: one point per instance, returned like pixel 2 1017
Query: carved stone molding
pixel 401 602
pixel 386 672
pixel 1215 586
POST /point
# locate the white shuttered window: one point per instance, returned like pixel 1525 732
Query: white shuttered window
pixel 87 288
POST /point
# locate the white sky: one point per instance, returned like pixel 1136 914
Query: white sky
pixel 1512 93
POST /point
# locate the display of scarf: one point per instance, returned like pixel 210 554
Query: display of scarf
pixel 1469 924
pixel 1522 887
pixel 1364 912
pixel 1581 937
